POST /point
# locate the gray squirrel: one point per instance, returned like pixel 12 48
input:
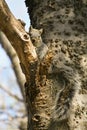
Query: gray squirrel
pixel 71 78
pixel 41 47
pixel 64 97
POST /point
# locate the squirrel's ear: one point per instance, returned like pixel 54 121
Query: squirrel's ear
pixel 41 31
pixel 31 28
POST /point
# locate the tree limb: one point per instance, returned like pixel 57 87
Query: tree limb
pixel 14 60
pixel 19 38
pixel 10 94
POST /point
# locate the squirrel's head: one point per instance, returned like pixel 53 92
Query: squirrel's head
pixel 35 35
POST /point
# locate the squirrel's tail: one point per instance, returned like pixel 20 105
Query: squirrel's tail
pixel 64 97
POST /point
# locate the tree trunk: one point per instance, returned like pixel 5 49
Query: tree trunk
pixel 56 93
pixel 59 94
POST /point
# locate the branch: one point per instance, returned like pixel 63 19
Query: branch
pixel 10 94
pixel 12 117
pixel 18 37
pixel 15 61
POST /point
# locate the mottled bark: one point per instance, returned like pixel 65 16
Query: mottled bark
pixel 65 30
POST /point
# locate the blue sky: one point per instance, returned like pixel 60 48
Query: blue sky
pixel 19 10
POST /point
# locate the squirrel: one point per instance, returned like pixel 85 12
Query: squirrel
pixel 41 47
pixel 71 85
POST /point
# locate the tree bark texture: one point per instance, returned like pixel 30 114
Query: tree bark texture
pixel 61 97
